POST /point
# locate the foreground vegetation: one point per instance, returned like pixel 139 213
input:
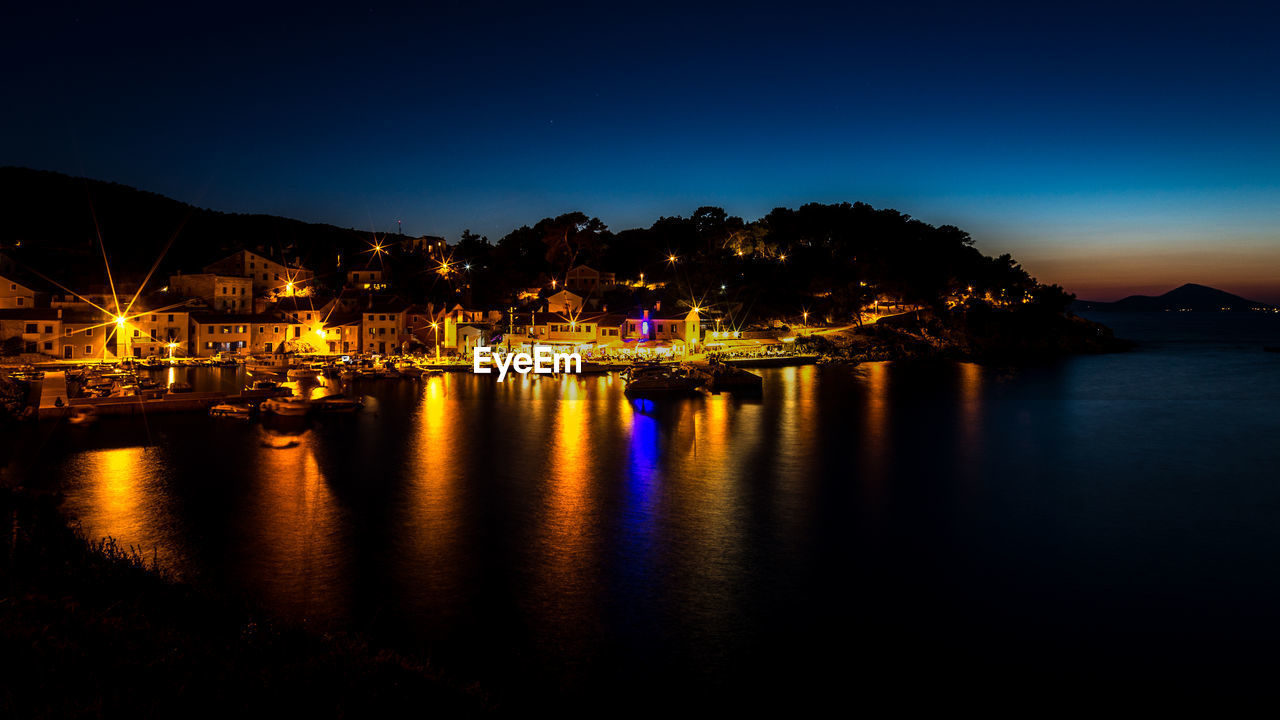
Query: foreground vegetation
pixel 92 629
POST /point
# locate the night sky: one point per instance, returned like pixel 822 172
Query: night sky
pixel 1110 150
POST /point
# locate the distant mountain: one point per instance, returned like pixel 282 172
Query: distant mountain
pixel 1188 297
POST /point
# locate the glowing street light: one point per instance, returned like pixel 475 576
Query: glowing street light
pixel 436 327
pixel 672 258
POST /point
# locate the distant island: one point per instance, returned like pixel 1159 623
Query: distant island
pixel 1189 297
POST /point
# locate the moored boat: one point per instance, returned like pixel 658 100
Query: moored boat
pixel 289 406
pixel 239 412
pixel 719 377
pixel 336 404
pixel 660 380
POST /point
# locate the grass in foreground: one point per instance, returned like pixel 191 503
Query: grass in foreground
pixel 92 629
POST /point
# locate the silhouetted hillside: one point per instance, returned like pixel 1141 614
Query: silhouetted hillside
pixel 1188 297
pixel 52 216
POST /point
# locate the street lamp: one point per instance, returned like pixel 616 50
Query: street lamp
pixel 436 327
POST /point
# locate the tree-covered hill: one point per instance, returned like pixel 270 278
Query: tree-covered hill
pixel 827 260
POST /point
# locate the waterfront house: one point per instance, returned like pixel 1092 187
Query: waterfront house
pixel 145 334
pixel 225 293
pixel 269 277
pixel 212 333
pixel 670 333
pixel 583 332
pixel 15 294
pixel 31 331
pixel 85 335
pixel 383 327
pixel 564 302
pixel 310 311
pixel 342 334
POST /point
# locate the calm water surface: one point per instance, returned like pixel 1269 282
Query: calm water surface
pixel 854 526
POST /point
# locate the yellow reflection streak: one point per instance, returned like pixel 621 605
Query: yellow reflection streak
pixel 434 504
pixel 298 531
pixel 875 444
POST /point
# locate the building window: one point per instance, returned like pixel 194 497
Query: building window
pixel 88 332
pixel 21 300
pixel 31 327
pixel 88 349
pixel 170 318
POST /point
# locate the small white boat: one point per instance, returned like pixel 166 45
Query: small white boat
pixel 409 370
pixel 239 412
pixel 303 373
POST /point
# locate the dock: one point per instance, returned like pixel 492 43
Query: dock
pixel 768 361
pixel 54 387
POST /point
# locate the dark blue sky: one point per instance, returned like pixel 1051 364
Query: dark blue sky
pixel 1109 148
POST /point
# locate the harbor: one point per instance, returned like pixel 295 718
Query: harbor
pixel 80 394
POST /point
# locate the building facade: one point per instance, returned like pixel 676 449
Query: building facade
pixel 269 277
pixel 223 293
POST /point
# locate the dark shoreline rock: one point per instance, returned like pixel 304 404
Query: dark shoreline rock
pixel 1006 338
